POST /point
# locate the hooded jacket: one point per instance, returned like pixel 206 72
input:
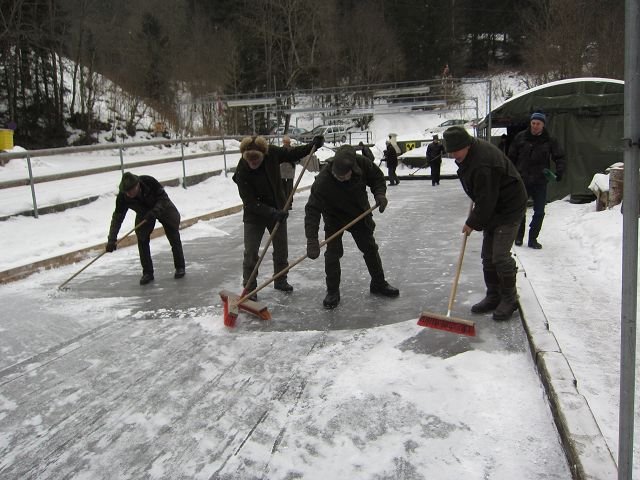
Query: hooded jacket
pixel 340 202
pixel 261 189
pixel 489 178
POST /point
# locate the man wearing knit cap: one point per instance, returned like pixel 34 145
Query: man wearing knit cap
pixel 260 187
pixel 146 196
pixel 499 200
pixel 532 151
pixel 338 195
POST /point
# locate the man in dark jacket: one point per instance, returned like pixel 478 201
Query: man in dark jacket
pixel 260 187
pixel 339 194
pixel 144 195
pixel 491 181
pixel 366 151
pixel 391 159
pixel 435 151
pixel 531 152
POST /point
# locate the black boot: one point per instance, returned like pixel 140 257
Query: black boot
pixel 146 278
pixel 282 285
pixel 508 296
pixel 384 289
pixel 533 243
pixel 492 297
pixel 332 299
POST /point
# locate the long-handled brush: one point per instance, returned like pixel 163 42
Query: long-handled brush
pixel 61 286
pixel 447 322
pixel 256 308
pixel 231 307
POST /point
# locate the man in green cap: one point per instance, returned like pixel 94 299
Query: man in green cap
pixel 146 196
pixel 338 195
pixel 489 178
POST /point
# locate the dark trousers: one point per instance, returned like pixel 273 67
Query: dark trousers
pixel 435 173
pixel 171 223
pixel 253 233
pixel 538 193
pixel 366 243
pixel 496 249
pixel 287 185
pixel 393 178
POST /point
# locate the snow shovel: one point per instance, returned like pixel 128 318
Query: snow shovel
pixel 257 308
pixel 231 308
pixel 447 322
pixel 92 261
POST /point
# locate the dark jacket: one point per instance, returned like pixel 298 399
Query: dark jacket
pixel 366 152
pixel 152 198
pixel 340 202
pixel 492 182
pixel 261 189
pixel 531 154
pixel 435 151
pixel 390 156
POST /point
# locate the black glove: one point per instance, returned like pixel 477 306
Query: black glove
pixel 111 246
pixel 382 201
pixel 313 248
pixel 149 216
pixel 279 215
pixel 318 141
pixel 558 176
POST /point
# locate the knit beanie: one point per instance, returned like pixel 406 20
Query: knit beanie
pixel 539 116
pixel 129 180
pixel 456 138
pixel 253 147
pixel 344 160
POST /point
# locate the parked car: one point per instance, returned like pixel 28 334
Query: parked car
pixel 294 132
pixel 444 125
pixel 331 133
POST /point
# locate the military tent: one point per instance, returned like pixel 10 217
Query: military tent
pixel 586 115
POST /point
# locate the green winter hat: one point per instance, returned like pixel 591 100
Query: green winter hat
pixel 456 138
pixel 344 161
pixel 129 180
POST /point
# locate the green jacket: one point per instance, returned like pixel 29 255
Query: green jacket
pixel 340 202
pixel 493 183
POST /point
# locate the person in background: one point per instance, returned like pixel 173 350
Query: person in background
pixel 260 187
pixel 503 145
pixel 287 171
pixel 338 195
pixel 494 185
pixel 531 152
pixel 146 196
pixel 366 151
pixel 391 153
pixel 435 150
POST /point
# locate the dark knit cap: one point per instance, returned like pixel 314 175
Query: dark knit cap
pixel 344 160
pixel 539 116
pixel 129 180
pixel 456 138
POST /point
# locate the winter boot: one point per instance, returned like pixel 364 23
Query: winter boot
pixel 492 297
pixel 384 289
pixel 146 278
pixel 508 296
pixel 180 272
pixel 282 285
pixel 533 243
pixel 332 299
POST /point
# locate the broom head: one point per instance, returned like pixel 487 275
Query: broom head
pixel 447 323
pixel 231 311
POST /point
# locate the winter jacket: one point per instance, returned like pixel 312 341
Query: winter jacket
pixel 261 189
pixel 435 151
pixel 151 198
pixel 495 186
pixel 340 202
pixel 366 152
pixel 390 156
pixel 531 154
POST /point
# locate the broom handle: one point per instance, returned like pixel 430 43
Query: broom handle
pixel 254 273
pixel 322 244
pixel 454 287
pixel 92 261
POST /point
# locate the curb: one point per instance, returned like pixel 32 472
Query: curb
pixel 587 452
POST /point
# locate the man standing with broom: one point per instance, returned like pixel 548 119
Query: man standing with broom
pixel 338 195
pixel 494 185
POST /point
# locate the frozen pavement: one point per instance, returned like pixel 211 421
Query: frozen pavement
pixel 113 380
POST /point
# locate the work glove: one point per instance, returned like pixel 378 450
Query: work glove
pixel 149 216
pixel 111 246
pixel 313 248
pixel 279 215
pixel 318 141
pixel 382 201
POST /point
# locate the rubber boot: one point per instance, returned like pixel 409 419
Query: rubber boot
pixel 508 296
pixel 492 297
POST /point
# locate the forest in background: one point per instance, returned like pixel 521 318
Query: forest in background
pixel 54 53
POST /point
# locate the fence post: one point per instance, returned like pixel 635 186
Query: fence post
pixel 33 188
pixel 121 160
pixel 224 154
pixel 184 167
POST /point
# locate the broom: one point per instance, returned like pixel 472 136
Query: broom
pixel 447 322
pixel 256 308
pixel 230 309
